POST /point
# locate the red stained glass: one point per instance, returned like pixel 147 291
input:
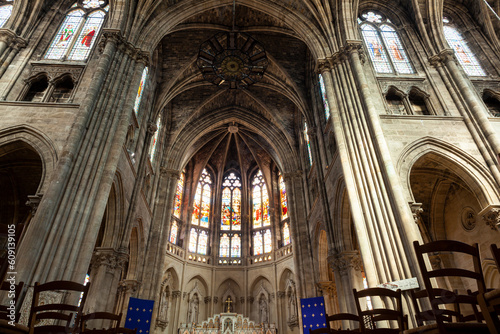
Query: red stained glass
pixel 283 198
pixel 286 235
pixel 224 246
pixel 178 196
pixel 258 247
pixel 236 246
pixel 226 210
pixel 173 233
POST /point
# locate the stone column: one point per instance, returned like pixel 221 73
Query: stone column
pixel 105 272
pixel 62 235
pixel 329 290
pixel 471 108
pixel 126 289
pixel 10 44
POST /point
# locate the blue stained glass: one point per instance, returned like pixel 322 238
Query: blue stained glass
pixel 323 96
pixel 464 55
pixel 88 36
pixel 65 35
pixel 5 12
pixel 140 90
pixel 236 246
pixel 396 50
pixel 376 49
pixel 224 246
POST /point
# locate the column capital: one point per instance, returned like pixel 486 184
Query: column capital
pixel 289 176
pixel 443 56
pixel 491 216
pixel 170 172
pixel 323 65
pixel 207 299
pixel 152 128
pixel 354 46
pixel 176 294
pixel 129 285
pixel 327 287
pixel 110 258
pixel 345 261
pixel 416 210
pixel 281 294
pixel 33 202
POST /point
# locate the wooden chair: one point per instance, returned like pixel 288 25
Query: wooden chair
pixel 425 316
pixel 343 317
pixel 490 300
pixel 123 330
pixel 107 317
pixel 392 314
pixel 320 331
pixel 4 309
pixel 56 317
pixel 447 307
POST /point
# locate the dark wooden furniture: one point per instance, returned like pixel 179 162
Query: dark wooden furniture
pixel 56 317
pixel 343 317
pixel 380 316
pixel 320 331
pixel 490 300
pixel 110 320
pixel 123 330
pixel 447 307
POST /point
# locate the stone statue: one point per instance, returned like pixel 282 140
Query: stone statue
pixel 193 309
pixel 262 310
pixel 163 305
pixel 292 304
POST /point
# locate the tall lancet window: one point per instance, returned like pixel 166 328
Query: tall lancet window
pixel 230 239
pixel 198 239
pixel 154 140
pixel 78 33
pixel 464 55
pixel 140 90
pixel 5 11
pixel 178 196
pixel 173 232
pixel 284 211
pixel 384 46
pixel 322 89
pixel 308 144
pixel 262 240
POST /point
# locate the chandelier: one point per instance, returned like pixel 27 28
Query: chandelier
pixel 232 59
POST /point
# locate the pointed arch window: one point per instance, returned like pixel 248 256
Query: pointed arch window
pixel 284 211
pixel 286 234
pixel 464 55
pixel 384 45
pixel 173 232
pixel 198 239
pixel 140 90
pixel 5 11
pixel 154 140
pixel 78 32
pixel 178 196
pixel 230 240
pixel 308 144
pixel 262 237
pixel 322 89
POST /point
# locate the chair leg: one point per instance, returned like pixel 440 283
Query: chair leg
pixel 491 320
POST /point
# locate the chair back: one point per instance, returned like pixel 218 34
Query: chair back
pixel 111 320
pixel 343 317
pixel 123 330
pixel 443 300
pixel 12 295
pixel 56 317
pixel 391 311
pixel 422 316
pixel 319 331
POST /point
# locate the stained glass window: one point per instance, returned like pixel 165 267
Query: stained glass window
pixel 308 144
pixel 224 246
pixel 231 203
pixel 201 210
pixel 464 55
pixel 201 213
pixel 178 196
pixel 154 140
pixel 140 90
pixel 286 234
pixel 5 12
pixel 260 202
pixel 283 198
pixel 326 107
pixel 78 33
pixel 173 232
pixel 236 246
pixel 384 46
pixel 260 214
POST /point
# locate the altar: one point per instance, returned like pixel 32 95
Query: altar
pixel 227 323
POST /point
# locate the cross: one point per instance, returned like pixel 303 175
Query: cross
pixel 228 303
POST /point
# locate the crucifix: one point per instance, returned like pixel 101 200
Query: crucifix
pixel 228 303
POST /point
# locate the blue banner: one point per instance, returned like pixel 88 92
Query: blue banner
pixel 139 315
pixel 313 313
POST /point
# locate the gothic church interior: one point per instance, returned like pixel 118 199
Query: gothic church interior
pixel 193 152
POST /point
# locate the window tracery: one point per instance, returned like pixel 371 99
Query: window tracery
pixel 5 11
pixel 308 144
pixel 322 89
pixel 384 45
pixel 78 32
pixel 198 240
pixel 462 51
pixel 230 241
pixel 262 238
pixel 154 140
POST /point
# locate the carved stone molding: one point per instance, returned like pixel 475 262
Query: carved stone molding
pixel 281 294
pixel 162 324
pixel 345 261
pixel 115 36
pixel 242 300
pixel 491 216
pixel 251 300
pixel 110 258
pixel 354 46
pixel 207 299
pixel 129 285
pixel 33 202
pixel 176 294
pixel 442 57
pixel 216 300
pixel 416 210
pixel 56 71
pixel 435 261
pixel 170 172
pixel 323 65
pixel 293 175
pixel 327 287
pixel 152 128
pixel 10 38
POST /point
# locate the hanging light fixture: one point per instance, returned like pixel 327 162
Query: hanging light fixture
pixel 232 59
